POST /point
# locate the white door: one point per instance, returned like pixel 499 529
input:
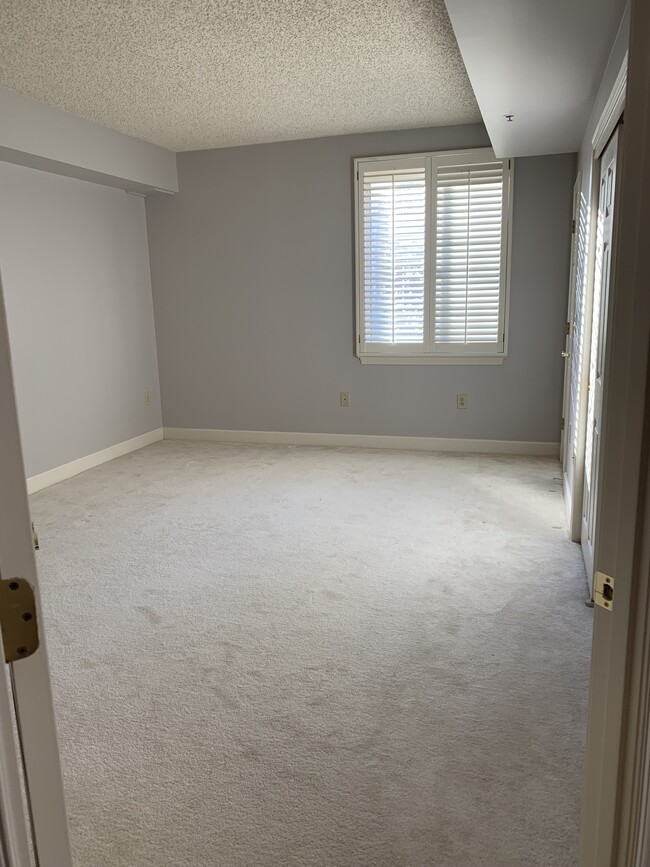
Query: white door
pixel 604 242
pixel 14 823
pixel 29 759
pixel 571 369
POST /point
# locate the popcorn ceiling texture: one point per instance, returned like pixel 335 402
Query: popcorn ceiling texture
pixel 193 74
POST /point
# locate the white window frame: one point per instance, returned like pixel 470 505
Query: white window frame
pixel 427 354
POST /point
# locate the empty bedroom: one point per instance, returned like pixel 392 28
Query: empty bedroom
pixel 301 312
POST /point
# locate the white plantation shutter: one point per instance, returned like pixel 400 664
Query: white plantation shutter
pixel 432 242
pixel 469 255
pixel 393 234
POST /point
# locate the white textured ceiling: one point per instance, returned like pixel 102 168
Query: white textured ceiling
pixel 190 74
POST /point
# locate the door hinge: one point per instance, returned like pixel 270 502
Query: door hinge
pixel 18 619
pixel 562 424
pixel 604 591
pixel 568 329
pixel 573 227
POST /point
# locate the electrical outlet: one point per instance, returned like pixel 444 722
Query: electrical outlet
pixel 461 401
pixel 345 398
pixel 147 398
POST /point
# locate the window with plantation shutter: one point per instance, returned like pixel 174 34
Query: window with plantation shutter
pixel 469 226
pixel 432 245
pixel 394 241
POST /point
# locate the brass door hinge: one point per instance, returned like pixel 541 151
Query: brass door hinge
pixel 18 619
pixel 604 591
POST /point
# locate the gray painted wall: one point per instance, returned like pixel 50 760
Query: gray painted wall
pixel 252 273
pixel 75 273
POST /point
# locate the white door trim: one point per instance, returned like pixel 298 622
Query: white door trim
pixel 605 255
pixel 14 822
pixel 607 122
pixel 32 691
pixel 589 272
pixel 612 111
pixel 634 844
pixel 569 433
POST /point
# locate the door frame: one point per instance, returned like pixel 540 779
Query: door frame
pixel 615 829
pixel 37 746
pixel 567 456
pixel 598 318
pixel 608 121
pixel 577 491
pixel 571 307
pixel 14 820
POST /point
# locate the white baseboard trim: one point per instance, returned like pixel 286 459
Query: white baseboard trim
pixel 365 441
pixel 80 465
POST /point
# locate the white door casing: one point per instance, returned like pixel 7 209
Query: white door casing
pixel 14 821
pixel 571 362
pixel 605 239
pixel 29 685
pixel 585 250
pixel 584 240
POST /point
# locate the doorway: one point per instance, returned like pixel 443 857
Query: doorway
pixel 605 240
pixel 572 358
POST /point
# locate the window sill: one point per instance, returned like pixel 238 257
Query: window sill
pixel 431 359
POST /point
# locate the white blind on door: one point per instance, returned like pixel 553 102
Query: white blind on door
pixel 468 251
pixel 393 238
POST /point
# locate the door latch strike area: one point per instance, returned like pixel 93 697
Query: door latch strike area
pixel 18 619
pixel 604 591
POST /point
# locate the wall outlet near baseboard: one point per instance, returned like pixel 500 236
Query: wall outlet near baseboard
pixel 147 398
pixel 461 401
pixel 344 398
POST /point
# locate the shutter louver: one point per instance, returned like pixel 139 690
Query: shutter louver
pixel 394 241
pixel 468 271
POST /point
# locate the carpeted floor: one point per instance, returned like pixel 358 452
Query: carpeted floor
pixel 279 657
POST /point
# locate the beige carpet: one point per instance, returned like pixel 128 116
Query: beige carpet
pixel 279 657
